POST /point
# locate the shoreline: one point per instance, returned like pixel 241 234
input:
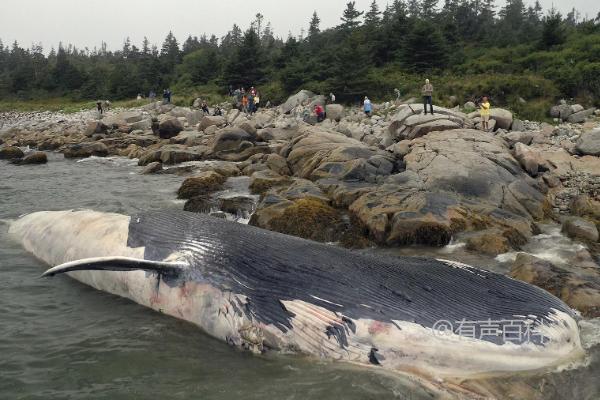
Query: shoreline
pixel 393 180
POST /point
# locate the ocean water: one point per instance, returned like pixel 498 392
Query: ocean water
pixel 60 339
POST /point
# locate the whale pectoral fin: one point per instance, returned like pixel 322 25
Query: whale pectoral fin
pixel 118 264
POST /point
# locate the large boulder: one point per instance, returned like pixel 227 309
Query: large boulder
pixel 202 184
pixel 579 228
pixel 169 128
pixel 581 116
pixel 36 157
pixel 230 139
pixel 301 98
pixel 503 118
pixel 261 181
pixel 207 121
pixel 334 112
pixel 95 127
pixel 528 158
pixel 579 288
pixel 589 143
pixel 86 149
pixel 10 153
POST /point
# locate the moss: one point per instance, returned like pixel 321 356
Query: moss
pixel 200 185
pixel 310 219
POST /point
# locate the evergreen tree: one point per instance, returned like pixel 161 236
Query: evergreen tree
pixel 247 66
pixel 313 28
pixel 553 32
pixel 425 48
pixel 373 16
pixel 351 16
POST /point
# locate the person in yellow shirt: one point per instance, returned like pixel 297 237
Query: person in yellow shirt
pixel 484 111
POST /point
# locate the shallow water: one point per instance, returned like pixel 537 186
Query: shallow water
pixel 60 339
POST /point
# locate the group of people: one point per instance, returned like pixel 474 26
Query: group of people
pixel 484 105
pixel 102 106
pixel 246 101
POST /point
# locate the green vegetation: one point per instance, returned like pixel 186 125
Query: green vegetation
pixel 519 56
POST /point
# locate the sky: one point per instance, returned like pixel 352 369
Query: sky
pixel 86 23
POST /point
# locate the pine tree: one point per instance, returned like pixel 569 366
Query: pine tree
pixel 428 9
pixel 351 16
pixel 313 28
pixel 247 65
pixel 373 16
pixel 425 48
pixel 553 32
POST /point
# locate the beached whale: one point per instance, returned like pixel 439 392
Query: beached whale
pixel 260 290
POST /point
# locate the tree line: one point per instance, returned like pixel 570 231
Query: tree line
pixel 506 50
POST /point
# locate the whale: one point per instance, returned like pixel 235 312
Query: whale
pixel 262 291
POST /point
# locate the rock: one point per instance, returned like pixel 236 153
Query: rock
pixel 299 98
pixel 230 139
pixel 207 121
pixel 575 108
pixel 278 164
pixel 169 128
pixel 152 168
pixel 488 241
pixel 579 288
pixel 514 137
pixel 261 181
pixel 177 155
pixel 95 127
pixel 199 204
pixel 528 158
pixel 401 148
pixel 589 143
pixel 201 184
pixel 469 106
pixel 581 116
pixel 551 179
pixel 307 218
pixel 36 157
pixel 86 149
pixel 238 205
pixel 334 112
pixel 269 134
pixel 518 125
pixel 579 228
pixel 503 118
pixel 555 112
pixel 10 153
pixel 584 206
pixel 249 129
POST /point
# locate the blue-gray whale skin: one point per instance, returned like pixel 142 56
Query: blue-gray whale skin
pixel 277 284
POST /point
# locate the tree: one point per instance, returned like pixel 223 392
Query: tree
pixel 351 16
pixel 553 31
pixel 247 65
pixel 429 9
pixel 313 27
pixel 373 16
pixel 424 55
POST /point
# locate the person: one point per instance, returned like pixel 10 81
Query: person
pixel 251 108
pixel 99 107
pixel 204 107
pixel 139 96
pixel 367 106
pixel 427 92
pixel 332 97
pixel 169 95
pixel 268 105
pixel 256 101
pixel 217 111
pixel 245 103
pixel 165 96
pixel 320 113
pixel 484 111
pixel 253 91
pixel 397 93
pixel 106 105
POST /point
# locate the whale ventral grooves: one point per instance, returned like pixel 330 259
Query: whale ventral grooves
pixel 270 268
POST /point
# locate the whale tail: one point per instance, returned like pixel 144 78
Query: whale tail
pixel 118 264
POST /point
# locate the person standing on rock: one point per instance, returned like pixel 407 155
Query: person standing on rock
pixel 332 98
pixel 484 111
pixel 367 106
pixel 427 92
pixel 169 96
pixel 205 109
pixel 320 113
pixel 99 108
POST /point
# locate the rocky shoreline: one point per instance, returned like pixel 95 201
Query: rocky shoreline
pixel 396 178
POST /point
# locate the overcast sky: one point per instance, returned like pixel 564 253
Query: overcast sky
pixel 86 23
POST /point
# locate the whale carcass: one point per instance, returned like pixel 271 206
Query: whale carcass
pixel 259 290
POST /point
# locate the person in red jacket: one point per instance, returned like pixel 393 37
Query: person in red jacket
pixel 319 112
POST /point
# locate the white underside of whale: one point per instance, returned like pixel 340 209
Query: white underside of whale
pixel 66 236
